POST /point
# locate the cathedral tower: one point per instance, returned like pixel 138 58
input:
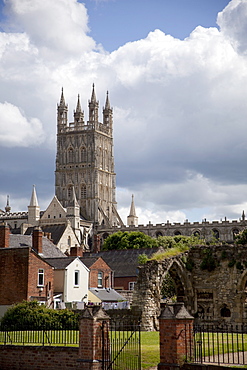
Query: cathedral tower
pixel 85 162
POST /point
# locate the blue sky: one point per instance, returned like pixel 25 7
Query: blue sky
pixel 113 23
pixel 176 72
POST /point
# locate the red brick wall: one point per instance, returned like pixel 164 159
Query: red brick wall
pixel 19 274
pixel 37 357
pixel 36 263
pixel 123 282
pixel 13 275
pixel 100 265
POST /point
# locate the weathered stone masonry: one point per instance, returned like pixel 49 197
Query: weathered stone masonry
pixel 211 281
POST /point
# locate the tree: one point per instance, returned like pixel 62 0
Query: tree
pixel 129 240
pixel 33 315
pixel 241 238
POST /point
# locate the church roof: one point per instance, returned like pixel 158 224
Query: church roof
pixel 48 248
pixel 124 262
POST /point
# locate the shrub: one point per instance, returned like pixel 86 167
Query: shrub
pixel 32 315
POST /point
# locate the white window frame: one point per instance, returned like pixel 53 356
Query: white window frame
pixel 100 279
pixel 77 278
pixel 132 285
pixel 41 277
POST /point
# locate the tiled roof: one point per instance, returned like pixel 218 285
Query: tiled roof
pixel 107 295
pixel 55 230
pixel 124 262
pixel 48 248
pixel 60 263
pixel 89 261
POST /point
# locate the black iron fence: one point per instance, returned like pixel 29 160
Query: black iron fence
pixel 224 344
pixel 41 333
pixel 121 345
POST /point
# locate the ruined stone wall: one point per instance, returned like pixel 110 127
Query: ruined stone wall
pixel 211 281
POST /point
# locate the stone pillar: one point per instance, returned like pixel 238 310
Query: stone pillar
pixel 93 321
pixel 176 336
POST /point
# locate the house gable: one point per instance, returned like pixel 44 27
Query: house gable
pixel 54 211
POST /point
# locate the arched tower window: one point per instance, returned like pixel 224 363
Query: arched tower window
pixel 83 191
pixel 83 154
pixel 235 232
pixel 159 233
pixel 196 233
pixel 216 234
pixel 71 155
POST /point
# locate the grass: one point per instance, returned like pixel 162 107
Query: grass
pixel 150 349
pixel 221 343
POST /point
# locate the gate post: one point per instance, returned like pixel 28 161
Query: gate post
pixel 91 348
pixel 176 336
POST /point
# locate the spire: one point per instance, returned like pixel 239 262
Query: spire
pixel 132 207
pixel 132 219
pixel 34 199
pixel 74 202
pixel 62 100
pixel 107 103
pixel 78 114
pixel 93 108
pixel 78 107
pixel 33 209
pixel 93 97
pixel 107 112
pixel 243 216
pixel 7 208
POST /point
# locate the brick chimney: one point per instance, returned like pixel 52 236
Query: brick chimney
pixel 4 235
pixel 76 251
pixel 37 239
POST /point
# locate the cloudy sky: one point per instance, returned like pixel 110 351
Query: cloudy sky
pixel 176 72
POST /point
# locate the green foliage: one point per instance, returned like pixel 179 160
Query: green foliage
pixel 178 240
pixel 129 240
pixel 175 245
pixel 209 262
pixel 168 289
pixel 189 264
pixel 142 259
pixel 241 238
pixel 33 315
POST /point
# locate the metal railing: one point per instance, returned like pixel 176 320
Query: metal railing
pixel 121 346
pixel 224 344
pixel 48 334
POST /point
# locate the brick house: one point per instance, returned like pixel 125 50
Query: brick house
pixel 24 274
pixel 101 275
pixel 124 265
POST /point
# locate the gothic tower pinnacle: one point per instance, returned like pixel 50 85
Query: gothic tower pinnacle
pixel 132 219
pixel 85 162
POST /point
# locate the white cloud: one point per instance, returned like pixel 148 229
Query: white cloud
pixel 16 129
pixel 179 105
pixel 57 28
pixel 233 24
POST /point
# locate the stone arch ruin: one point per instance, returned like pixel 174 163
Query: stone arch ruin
pixel 210 280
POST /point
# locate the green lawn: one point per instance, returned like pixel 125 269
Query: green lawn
pixel 150 349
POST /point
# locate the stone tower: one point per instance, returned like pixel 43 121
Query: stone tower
pixel 85 162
